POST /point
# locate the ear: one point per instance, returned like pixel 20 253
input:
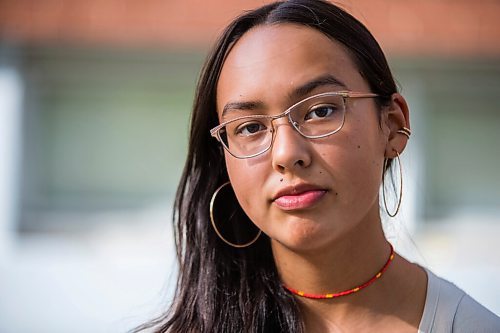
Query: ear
pixel 396 116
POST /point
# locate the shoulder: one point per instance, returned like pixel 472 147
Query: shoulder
pixel 450 309
pixel 472 316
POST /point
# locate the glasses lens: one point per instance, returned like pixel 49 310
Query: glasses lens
pixel 247 137
pixel 315 117
pixel 319 116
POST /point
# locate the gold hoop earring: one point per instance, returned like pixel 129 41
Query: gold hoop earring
pixel 400 186
pixel 405 131
pixel 212 201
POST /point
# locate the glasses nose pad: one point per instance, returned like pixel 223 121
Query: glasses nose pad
pixel 294 123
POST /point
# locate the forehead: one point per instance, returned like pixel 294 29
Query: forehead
pixel 271 60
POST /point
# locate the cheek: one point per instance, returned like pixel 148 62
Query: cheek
pixel 247 183
pixel 355 163
pixel 364 165
pixel 367 145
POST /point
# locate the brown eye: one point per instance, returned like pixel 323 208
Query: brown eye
pixel 320 112
pixel 250 128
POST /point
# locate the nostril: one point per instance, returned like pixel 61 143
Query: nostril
pixel 299 162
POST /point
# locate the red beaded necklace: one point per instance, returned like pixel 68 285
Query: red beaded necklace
pixel 348 291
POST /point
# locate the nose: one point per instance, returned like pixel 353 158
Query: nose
pixel 290 150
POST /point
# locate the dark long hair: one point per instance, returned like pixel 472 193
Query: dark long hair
pixel 221 288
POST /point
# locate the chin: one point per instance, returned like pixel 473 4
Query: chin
pixel 303 236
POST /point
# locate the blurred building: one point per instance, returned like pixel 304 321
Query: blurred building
pixel 94 107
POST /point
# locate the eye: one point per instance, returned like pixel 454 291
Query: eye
pixel 320 111
pixel 250 128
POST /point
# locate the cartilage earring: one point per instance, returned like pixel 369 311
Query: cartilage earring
pixel 405 131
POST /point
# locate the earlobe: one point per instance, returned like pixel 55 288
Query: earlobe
pixel 398 122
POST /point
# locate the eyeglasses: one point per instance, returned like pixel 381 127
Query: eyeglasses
pixel 314 117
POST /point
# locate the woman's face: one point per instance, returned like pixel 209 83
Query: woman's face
pixel 303 193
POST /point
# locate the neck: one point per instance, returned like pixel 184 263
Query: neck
pixel 351 290
pixel 349 263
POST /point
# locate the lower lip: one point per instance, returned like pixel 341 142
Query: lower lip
pixel 300 201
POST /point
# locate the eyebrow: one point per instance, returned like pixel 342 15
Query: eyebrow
pixel 297 93
pixel 242 106
pixel 308 87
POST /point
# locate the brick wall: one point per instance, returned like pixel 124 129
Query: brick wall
pixel 425 27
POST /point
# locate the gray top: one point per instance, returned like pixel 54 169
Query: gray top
pixel 449 309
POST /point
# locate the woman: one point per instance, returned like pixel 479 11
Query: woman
pixel 296 119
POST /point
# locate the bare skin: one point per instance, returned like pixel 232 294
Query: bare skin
pixel 393 304
pixel 336 242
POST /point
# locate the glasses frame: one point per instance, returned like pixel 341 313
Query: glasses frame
pixel 215 132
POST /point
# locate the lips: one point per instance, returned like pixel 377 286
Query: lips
pixel 302 196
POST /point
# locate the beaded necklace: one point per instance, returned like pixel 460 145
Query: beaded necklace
pixel 348 291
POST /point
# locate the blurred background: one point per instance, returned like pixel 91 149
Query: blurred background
pixel 95 98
